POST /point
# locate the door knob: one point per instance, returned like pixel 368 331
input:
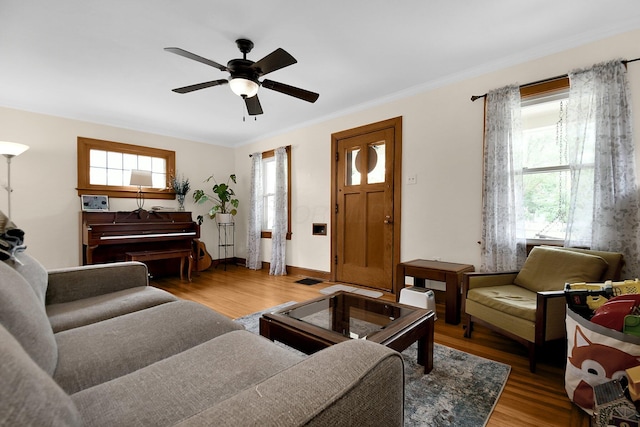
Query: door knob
pixel 387 220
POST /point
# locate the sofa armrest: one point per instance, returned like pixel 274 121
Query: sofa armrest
pixel 356 382
pixel 483 280
pixel 75 283
pixel 550 315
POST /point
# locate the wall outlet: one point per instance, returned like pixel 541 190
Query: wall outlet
pixel 412 179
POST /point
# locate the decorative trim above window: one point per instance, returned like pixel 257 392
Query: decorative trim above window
pixel 162 163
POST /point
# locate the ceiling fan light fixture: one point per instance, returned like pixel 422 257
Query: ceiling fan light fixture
pixel 243 87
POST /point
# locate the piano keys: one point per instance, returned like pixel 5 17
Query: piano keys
pixel 108 236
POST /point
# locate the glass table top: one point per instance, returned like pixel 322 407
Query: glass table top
pixel 350 315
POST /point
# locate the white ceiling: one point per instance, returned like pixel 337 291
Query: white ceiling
pixel 103 61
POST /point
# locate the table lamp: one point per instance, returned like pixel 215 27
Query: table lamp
pixel 10 150
pixel 141 179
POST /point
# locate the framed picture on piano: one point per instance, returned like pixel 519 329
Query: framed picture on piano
pixel 91 203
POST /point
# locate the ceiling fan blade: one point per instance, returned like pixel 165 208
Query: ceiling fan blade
pixel 253 105
pixel 195 57
pixel 277 59
pixel 191 88
pixel 305 95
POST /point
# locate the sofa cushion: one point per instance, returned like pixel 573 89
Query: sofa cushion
pixel 76 283
pixel 33 272
pixel 28 395
pixel 337 386
pixel 95 309
pixel 185 384
pixel 511 299
pixel 548 269
pixel 23 315
pixel 99 352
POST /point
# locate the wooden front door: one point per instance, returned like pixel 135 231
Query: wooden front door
pixel 366 194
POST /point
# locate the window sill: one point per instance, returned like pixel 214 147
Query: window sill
pixel 126 193
pixel 267 235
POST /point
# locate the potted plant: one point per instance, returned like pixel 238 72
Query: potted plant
pixel 223 198
pixel 181 186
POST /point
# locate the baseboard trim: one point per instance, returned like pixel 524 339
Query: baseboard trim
pixel 291 270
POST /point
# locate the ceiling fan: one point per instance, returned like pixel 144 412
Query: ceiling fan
pixel 244 75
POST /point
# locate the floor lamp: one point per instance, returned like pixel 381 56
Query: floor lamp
pixel 141 179
pixel 11 150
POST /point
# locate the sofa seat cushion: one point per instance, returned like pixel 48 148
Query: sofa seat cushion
pixel 511 299
pixel 354 383
pixel 548 269
pixel 185 384
pixel 28 395
pixel 95 309
pixel 99 352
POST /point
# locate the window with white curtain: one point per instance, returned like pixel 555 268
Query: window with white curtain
pixel 546 176
pixel 269 190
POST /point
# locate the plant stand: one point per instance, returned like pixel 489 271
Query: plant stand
pixel 226 242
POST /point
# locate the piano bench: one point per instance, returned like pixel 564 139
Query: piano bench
pixel 154 255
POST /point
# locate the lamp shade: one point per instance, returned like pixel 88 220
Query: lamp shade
pixel 141 178
pixel 243 87
pixel 12 149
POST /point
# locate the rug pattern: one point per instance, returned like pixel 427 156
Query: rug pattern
pixel 461 390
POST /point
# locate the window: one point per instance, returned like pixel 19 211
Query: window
pixel 269 190
pixel 546 175
pixel 104 167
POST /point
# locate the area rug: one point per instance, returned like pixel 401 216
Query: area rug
pixel 461 390
pixel 336 288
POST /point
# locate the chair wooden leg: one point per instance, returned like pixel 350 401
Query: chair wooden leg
pixel 468 327
pixel 532 357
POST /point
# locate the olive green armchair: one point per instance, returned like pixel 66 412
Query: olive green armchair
pixel 529 306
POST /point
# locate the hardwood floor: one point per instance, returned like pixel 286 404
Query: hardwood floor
pixel 527 400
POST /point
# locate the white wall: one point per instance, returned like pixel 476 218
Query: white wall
pixel 45 202
pixel 442 145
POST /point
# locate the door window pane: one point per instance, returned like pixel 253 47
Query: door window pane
pixel 376 160
pixel 352 176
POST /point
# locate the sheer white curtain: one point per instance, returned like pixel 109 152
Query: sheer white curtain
pixel 254 229
pixel 280 224
pixel 604 212
pixel 503 233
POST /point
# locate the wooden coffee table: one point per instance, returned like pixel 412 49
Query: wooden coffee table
pixel 321 322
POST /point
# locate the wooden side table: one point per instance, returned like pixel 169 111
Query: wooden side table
pixel 448 272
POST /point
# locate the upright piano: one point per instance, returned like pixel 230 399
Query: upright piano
pixel 108 236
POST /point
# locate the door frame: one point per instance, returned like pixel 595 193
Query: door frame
pixel 396 124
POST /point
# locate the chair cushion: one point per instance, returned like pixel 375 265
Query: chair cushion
pixel 511 299
pixel 548 269
pixel 614 259
pixel 22 313
pixel 28 396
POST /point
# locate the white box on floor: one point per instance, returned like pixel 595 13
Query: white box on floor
pixel 419 297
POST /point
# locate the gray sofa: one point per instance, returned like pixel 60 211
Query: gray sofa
pixel 95 345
